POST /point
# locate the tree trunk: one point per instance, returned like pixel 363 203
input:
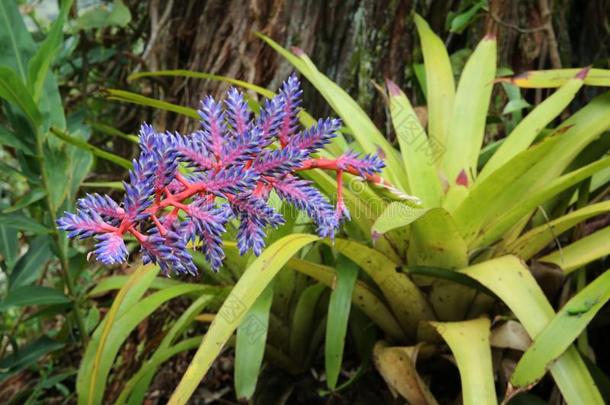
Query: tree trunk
pixel 356 43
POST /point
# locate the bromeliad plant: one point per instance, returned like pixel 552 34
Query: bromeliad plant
pixel 186 188
pixel 433 269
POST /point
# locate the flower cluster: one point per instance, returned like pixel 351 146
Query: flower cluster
pixel 186 189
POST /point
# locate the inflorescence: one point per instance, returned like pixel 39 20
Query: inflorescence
pixel 188 188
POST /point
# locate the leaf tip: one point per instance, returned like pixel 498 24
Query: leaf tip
pixel 462 178
pixel 297 51
pixel 490 36
pixel 375 236
pixel 393 88
pixel 582 74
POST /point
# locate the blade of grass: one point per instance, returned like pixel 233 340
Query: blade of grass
pixel 135 389
pixel 86 381
pixel 108 348
pixel 496 228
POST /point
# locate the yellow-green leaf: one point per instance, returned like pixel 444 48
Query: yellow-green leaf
pixel 469 343
pixel 233 311
pixel 418 154
pixel 581 252
pixel 559 334
pixel 514 284
pixel 405 299
pixel 557 78
pixel 527 130
pixel 133 98
pixel 538 238
pixel 467 125
pixel 440 86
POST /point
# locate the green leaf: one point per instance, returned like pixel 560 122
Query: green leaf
pixel 16 44
pixel 138 384
pixel 14 91
pixel 472 98
pixel 527 130
pixel 396 215
pixel 105 15
pixel 559 334
pixel 417 153
pixel 201 75
pixel 337 319
pixel 404 298
pixel 39 65
pixel 440 86
pixel 363 297
pixel 31 197
pixel 365 132
pixel 31 264
pixel 251 284
pixel 515 105
pixel 133 98
pixel 538 238
pixel 28 355
pixel 117 282
pixel 250 345
pixel 87 381
pixel 435 241
pixel 464 19
pixel 160 357
pixel 502 223
pixel 541 79
pixel 58 174
pixel 469 343
pixel 117 185
pixel 303 320
pixel 9 246
pixel 110 335
pixel 514 284
pixel 533 169
pixel 22 223
pixel 33 295
pixel 82 144
pixel 581 252
pixel 11 139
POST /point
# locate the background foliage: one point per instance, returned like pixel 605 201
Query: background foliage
pixel 74 84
